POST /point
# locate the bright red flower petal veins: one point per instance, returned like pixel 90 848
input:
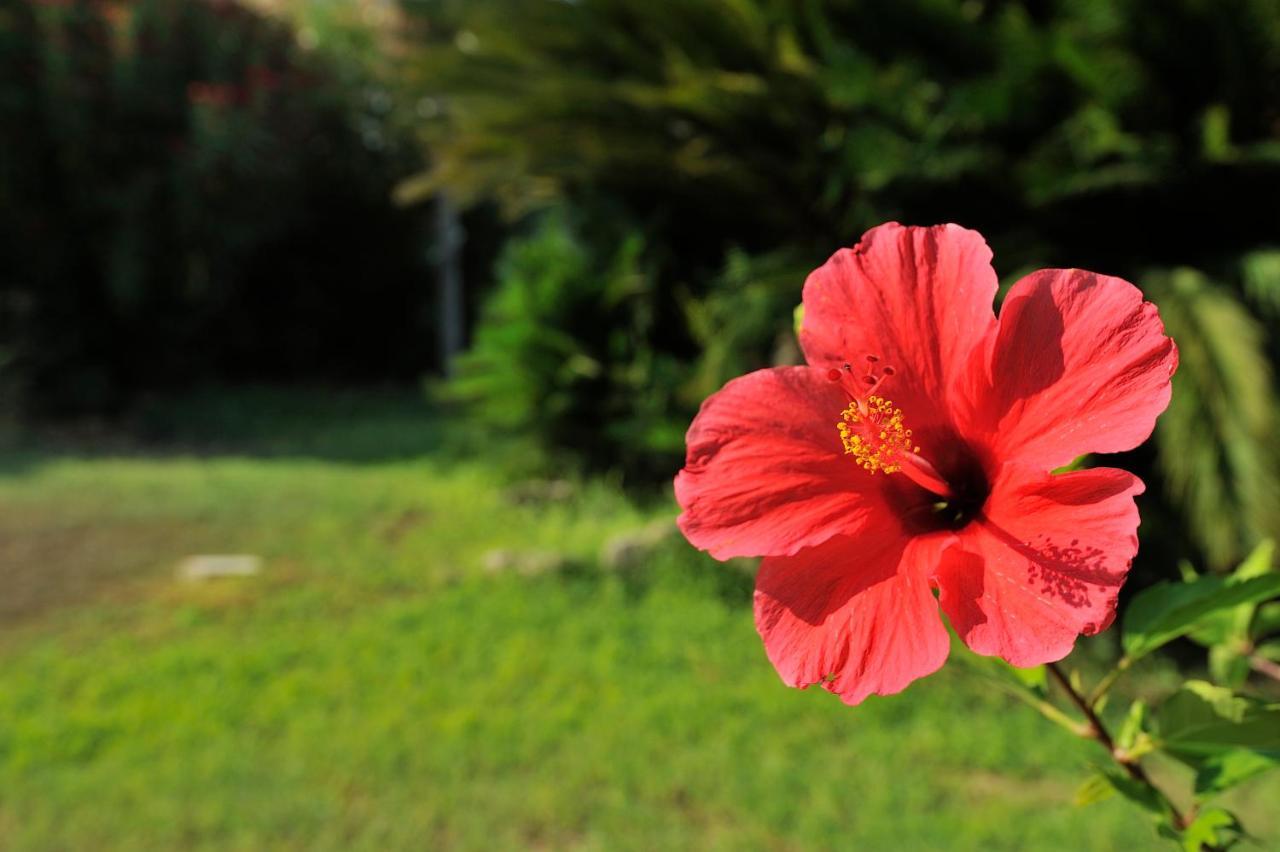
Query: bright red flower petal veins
pixel 759 477
pixel 855 615
pixel 914 453
pixel 1044 564
pixel 917 298
pixel 1080 364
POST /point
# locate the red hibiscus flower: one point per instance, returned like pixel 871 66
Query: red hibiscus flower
pixel 914 453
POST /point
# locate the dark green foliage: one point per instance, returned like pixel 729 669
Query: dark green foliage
pixel 1216 442
pixel 1051 127
pixel 737 324
pixel 748 139
pixel 563 359
pixel 180 186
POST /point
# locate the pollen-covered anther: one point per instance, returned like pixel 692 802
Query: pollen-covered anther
pixel 874 433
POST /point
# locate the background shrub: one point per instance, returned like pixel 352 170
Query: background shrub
pixel 747 140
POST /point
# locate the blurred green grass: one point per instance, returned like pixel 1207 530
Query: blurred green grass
pixel 377 688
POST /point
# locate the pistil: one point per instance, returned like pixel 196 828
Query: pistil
pixel 874 432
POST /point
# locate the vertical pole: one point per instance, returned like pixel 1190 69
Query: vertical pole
pixel 448 252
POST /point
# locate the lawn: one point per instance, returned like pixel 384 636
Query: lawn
pixel 385 683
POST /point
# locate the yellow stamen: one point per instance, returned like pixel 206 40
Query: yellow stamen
pixel 875 435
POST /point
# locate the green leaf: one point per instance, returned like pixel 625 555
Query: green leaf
pixel 1165 611
pixel 1267 620
pixel 1229 664
pixel 1077 463
pixel 1231 626
pixel 1132 736
pixel 1203 722
pixel 1257 563
pixel 1033 680
pixel 1096 788
pixel 1224 771
pixel 797 318
pixel 1141 795
pixel 1214 828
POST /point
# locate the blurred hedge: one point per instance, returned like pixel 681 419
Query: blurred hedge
pixel 187 195
pixel 744 140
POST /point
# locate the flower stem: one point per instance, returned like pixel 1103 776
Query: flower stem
pixel 1098 731
pixel 1109 680
pixel 1052 713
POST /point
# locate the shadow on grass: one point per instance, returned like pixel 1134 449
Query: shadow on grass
pixel 364 426
pixel 673 564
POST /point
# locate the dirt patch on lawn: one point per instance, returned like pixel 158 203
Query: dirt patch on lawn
pixel 45 564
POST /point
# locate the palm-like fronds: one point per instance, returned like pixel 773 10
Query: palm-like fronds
pixel 1216 442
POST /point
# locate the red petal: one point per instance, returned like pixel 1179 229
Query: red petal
pixel 1044 565
pixel 765 472
pixel 919 298
pixel 854 614
pixel 1080 364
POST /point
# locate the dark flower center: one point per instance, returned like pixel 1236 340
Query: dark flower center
pixel 970 489
pixel 965 471
pixel 943 492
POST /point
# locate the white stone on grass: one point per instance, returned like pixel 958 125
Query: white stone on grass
pixel 201 567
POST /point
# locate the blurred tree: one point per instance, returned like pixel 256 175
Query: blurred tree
pixel 748 138
pixel 563 363
pixel 184 187
pixel 754 124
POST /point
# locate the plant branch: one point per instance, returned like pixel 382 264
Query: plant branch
pixel 1098 731
pixel 1050 712
pixel 1263 666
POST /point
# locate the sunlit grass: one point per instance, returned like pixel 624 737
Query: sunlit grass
pixel 375 687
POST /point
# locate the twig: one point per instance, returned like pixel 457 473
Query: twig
pixel 1098 731
pixel 1263 666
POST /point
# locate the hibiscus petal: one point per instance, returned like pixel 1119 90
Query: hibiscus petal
pixel 1080 364
pixel 855 615
pixel 918 298
pixel 1044 564
pixel 765 472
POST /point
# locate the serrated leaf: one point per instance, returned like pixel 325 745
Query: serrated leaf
pixel 1224 771
pixel 1203 721
pixel 1214 828
pixel 1165 611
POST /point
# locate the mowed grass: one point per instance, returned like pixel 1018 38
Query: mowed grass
pixel 377 688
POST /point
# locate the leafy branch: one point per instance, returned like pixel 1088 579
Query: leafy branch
pixel 1223 736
